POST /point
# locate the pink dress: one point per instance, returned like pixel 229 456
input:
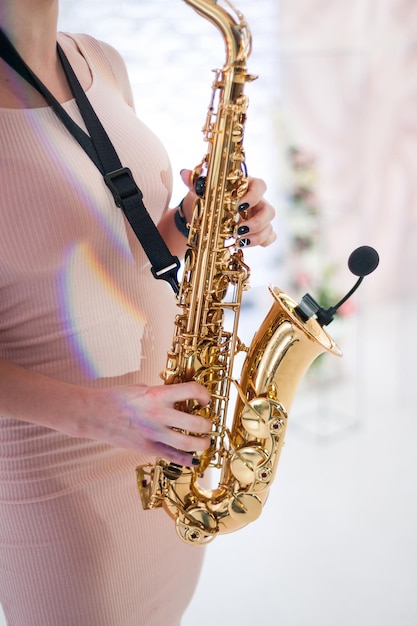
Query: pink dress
pixel 78 303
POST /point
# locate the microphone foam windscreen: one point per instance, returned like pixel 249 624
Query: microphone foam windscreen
pixel 363 261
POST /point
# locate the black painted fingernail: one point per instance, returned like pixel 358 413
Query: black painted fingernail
pixel 242 230
pixel 243 207
pixel 195 461
pixel 244 242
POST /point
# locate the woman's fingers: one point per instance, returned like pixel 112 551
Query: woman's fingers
pixel 187 459
pixel 255 226
pixel 155 420
pixel 256 190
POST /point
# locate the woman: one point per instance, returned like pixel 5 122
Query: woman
pixel 84 330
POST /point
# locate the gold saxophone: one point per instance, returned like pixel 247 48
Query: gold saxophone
pixel 246 453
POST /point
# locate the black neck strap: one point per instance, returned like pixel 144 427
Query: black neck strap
pixel 100 149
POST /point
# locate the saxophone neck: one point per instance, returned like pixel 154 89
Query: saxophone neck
pixel 233 28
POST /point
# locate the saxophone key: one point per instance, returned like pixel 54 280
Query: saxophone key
pixel 255 417
pixel 245 505
pixel 196 526
pixel 245 462
pixel 262 417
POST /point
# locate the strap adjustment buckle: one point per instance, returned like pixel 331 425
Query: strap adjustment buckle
pixel 169 274
pixel 122 185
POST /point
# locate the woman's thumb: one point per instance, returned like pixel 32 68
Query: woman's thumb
pixel 186 178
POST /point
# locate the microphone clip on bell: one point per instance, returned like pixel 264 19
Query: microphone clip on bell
pixel 362 261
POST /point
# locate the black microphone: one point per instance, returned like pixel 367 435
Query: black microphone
pixel 362 261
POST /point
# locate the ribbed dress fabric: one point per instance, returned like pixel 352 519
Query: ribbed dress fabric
pixel 78 303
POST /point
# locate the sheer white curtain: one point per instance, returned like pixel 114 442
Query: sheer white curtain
pixel 349 89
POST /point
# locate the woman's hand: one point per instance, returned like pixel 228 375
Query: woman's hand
pixel 256 214
pixel 146 419
pixel 136 417
pixel 255 227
